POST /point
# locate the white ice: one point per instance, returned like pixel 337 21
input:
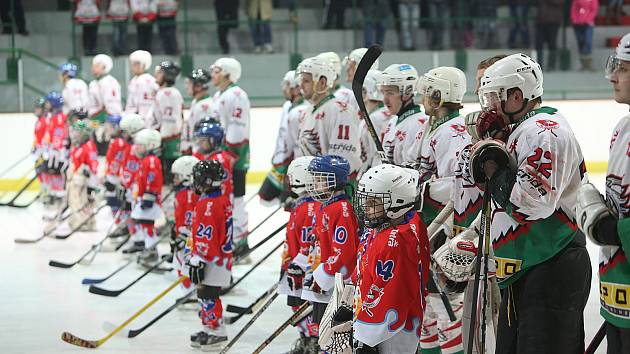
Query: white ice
pixel 39 302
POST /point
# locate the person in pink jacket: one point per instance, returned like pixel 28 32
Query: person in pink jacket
pixel 583 13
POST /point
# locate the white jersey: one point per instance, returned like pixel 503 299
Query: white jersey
pixel 346 96
pixel 104 96
pixel 198 111
pixel 403 134
pixel 75 95
pixel 467 196
pixel 380 118
pixel 281 154
pixel 140 96
pixel 232 107
pixel 295 120
pixel 332 128
pixel 167 112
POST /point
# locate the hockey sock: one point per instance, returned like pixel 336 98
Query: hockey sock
pixel 211 315
pixel 148 232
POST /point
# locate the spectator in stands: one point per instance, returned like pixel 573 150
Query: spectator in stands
pixel 227 17
pixel 118 13
pixel 144 14
pixel 166 13
pixel 8 17
pixel 519 9
pixel 438 18
pixel 614 11
pixel 259 13
pixel 375 12
pixel 547 26
pixel 334 10
pixel 486 22
pixel 409 12
pixel 583 13
pixel 88 15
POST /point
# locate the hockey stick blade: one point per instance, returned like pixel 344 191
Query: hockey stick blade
pixel 74 340
pixel 25 205
pixel 76 229
pixel 250 309
pixel 135 332
pixel 58 264
pixel 33 240
pixel 226 290
pixel 87 281
pixel 113 293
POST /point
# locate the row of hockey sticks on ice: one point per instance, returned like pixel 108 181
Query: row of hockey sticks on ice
pixel 265 219
pixel 74 340
pixel 11 203
pixel 8 169
pixel 262 242
pixel 18 182
pixel 597 340
pixel 303 311
pixel 364 66
pixel 88 281
pixel 234 284
pixel 135 332
pixel 251 198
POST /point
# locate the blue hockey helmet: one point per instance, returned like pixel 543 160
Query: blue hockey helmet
pixel 209 132
pixel 69 68
pixel 114 119
pixel 55 99
pixel 327 174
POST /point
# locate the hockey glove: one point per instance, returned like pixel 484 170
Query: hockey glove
pixel 490 124
pixel 295 276
pixel 590 211
pixel 483 154
pixel 197 273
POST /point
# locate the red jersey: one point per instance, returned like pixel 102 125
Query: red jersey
pixel 392 271
pixel 84 155
pixel 41 127
pixel 335 241
pixel 227 160
pixel 185 201
pixel 212 230
pixel 129 170
pixel 116 156
pixel 57 136
pixel 298 239
pixel 149 177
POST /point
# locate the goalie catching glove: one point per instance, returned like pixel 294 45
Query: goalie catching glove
pixel 456 259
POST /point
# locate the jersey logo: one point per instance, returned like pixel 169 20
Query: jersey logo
pixel 614 138
pixel 237 113
pixel 204 232
pixel 459 130
pixel 385 270
pixel 341 235
pixel 512 147
pixel 547 125
pixel 320 116
pixel 432 144
pixel 372 299
pixel 400 135
pixel 208 211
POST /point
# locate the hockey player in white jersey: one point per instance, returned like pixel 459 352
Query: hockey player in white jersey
pixel 231 106
pixel 75 90
pixel 351 62
pixel 331 126
pixel 607 223
pixel 379 115
pixel 167 115
pixel 142 87
pixel 339 91
pixel 398 85
pixel 286 142
pixel 104 98
pixel 197 84
pixel 533 179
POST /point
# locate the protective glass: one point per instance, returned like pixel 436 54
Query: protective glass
pixel 488 99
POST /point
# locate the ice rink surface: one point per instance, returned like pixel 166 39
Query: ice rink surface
pixel 39 302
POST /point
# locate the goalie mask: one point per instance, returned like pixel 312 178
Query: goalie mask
pixel 386 192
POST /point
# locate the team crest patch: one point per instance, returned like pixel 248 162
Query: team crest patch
pixel 459 130
pixel 547 125
pixel 372 299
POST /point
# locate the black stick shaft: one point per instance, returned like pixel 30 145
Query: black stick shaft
pixel 226 290
pixel 135 332
pixel 597 340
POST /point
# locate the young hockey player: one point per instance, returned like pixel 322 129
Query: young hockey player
pixel 208 146
pixel 607 223
pixel 75 90
pixel 168 114
pixel 185 201
pixel 200 107
pixel 142 87
pixel 341 92
pixel 57 153
pixel 104 97
pixel 393 262
pixel 82 179
pixel 211 262
pixel 533 229
pixel 230 105
pixel 115 158
pixel 39 143
pixel 330 127
pixel 334 233
pixel 147 189
pixel 296 247
pixel 398 85
pixel 286 142
pixel 379 115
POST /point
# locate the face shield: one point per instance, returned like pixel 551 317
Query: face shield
pixel 489 100
pixel 372 206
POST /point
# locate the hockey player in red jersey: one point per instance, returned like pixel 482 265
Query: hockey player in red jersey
pixel 208 146
pixel 115 158
pixel 147 190
pixel 39 142
pixel 393 262
pixel 296 247
pixel 58 142
pixel 211 261
pixel 334 233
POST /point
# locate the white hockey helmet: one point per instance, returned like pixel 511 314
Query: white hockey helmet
pixel 514 71
pixel 143 57
pixel 622 52
pixel 318 67
pixel 403 76
pixel 104 60
pixel 356 56
pixel 290 80
pixel 183 167
pixel 297 173
pixel 131 123
pixel 445 83
pixel 148 139
pixel 229 67
pixel 393 188
pixel 334 60
pixel 370 85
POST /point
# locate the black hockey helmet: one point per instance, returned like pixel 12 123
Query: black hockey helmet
pixel 208 176
pixel 170 70
pixel 206 120
pixel 39 103
pixel 200 77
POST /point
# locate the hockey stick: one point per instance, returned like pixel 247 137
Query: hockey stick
pixel 439 220
pixel 85 221
pixel 87 281
pixel 262 242
pixel 19 193
pixel 485 228
pixel 249 324
pixel 253 307
pixel 22 206
pixel 47 232
pixel 597 340
pixel 290 321
pixel 231 286
pixel 15 164
pixel 113 293
pixel 74 340
pixel 251 198
pixel 135 332
pixel 263 221
pixel 17 183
